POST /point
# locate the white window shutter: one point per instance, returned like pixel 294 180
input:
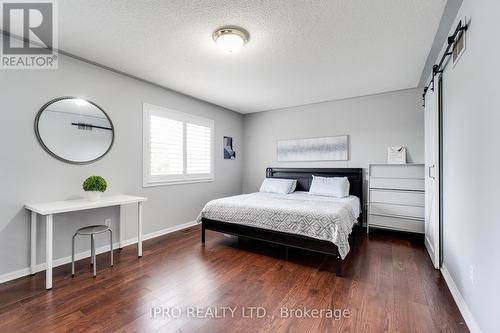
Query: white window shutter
pixel 177 147
pixel 166 142
pixel 199 149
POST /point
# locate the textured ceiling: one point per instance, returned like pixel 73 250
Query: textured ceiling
pixel 299 52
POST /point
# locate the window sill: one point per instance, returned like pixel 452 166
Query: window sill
pixel 177 182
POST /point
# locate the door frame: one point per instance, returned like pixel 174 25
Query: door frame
pixel 440 170
pixel 434 250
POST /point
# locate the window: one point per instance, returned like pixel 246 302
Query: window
pixel 177 147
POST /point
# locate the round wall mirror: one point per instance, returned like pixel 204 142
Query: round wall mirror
pixel 74 130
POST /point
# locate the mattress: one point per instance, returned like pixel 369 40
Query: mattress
pixel 301 213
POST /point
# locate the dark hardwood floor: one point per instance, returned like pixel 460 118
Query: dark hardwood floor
pixel 388 285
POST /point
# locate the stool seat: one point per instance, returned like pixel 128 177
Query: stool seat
pixel 93 229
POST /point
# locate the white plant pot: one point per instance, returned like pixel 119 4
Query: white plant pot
pixel 94 195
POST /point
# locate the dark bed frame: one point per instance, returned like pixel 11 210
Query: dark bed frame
pixel 304 178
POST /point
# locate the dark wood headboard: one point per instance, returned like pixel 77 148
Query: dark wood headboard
pixel 304 177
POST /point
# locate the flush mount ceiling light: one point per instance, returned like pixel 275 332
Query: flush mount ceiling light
pixel 230 39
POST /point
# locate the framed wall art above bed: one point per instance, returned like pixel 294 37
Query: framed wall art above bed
pixel 330 148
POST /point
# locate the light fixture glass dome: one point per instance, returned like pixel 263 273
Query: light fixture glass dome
pixel 230 40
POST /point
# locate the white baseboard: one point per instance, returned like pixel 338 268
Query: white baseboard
pixel 462 305
pixel 158 233
pixel 86 254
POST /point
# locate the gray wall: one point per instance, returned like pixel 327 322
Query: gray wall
pixel 29 174
pixel 471 134
pixel 373 123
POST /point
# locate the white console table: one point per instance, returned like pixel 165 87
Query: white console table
pixel 50 208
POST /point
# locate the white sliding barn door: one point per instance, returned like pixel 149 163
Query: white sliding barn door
pixel 432 192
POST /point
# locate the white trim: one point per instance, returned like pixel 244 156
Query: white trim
pixel 179 182
pixel 460 301
pixel 86 254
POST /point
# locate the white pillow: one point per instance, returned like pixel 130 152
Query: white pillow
pixel 330 186
pixel 278 185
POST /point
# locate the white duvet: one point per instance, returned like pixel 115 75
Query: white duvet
pixel 319 217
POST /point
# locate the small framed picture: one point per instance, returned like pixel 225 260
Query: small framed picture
pixel 229 153
pixel 459 45
pixel 396 155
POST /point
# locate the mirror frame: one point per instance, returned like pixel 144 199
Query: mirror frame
pixel 51 153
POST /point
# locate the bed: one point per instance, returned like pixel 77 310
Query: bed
pixel 299 220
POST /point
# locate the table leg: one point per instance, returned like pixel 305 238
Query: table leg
pixel 48 252
pixel 33 244
pixel 139 230
pixel 120 229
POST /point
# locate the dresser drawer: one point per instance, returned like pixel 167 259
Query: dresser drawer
pixel 399 210
pixel 396 223
pixel 397 184
pixel 412 198
pixel 397 171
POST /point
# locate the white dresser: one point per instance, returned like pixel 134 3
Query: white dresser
pixel 396 197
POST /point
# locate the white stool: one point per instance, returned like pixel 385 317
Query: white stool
pixel 91 231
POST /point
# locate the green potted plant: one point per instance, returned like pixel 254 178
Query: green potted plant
pixel 94 186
